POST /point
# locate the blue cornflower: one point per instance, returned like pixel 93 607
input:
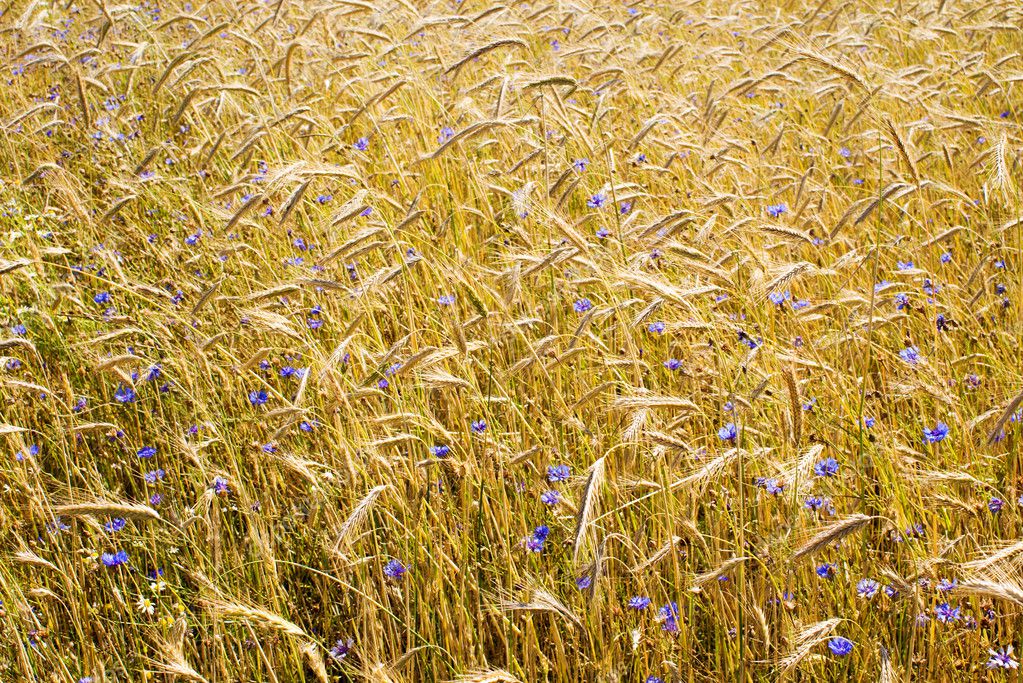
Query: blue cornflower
pixel 947 614
pixel 669 615
pixel 775 210
pixel 941 322
pixel 220 485
pixel 904 265
pixel 583 582
pixel 362 144
pixel 115 525
pixel 478 426
pixel 910 354
pixel 446 299
pixel 341 649
pixel 439 451
pixel 639 602
pixel 673 364
pixel 840 646
pixel 580 164
pixel 596 201
pixel 729 432
pixel 395 569
pixel 867 588
pixel 656 327
pixel 19 330
pixel 995 505
pixel 945 585
pixel 901 301
pixel 938 433
pixel 557 473
pixel 536 541
pixel 826 571
pixel 654 679
pixel 826 468
pixel 446 133
pixel 102 298
pixel 1002 659
pixel 114 559
pixel 258 397
pixel 550 497
pixel 125 394
pixel 816 503
pixel 582 305
pixel 778 298
pixel 603 233
pixel 147 452
pixel 946 257
pixel 154 476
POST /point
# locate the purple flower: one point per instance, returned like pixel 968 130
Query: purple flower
pixel 125 394
pixel 146 452
pixel 938 433
pixel 867 588
pixel 259 397
pixel 102 298
pixel 556 473
pixel 114 559
pixel 395 570
pixel 656 327
pixel 639 602
pixel 826 571
pixel 583 582
pixel 478 426
pixel 995 505
pixel 778 298
pixel 596 201
pixel 362 144
pixel 580 164
pixel 673 364
pixel 446 133
pixel 220 485
pixel 1002 659
pixel 550 497
pixel 341 649
pixel 729 432
pixel 775 210
pixel 154 476
pixel 669 616
pixel 840 646
pixel 826 468
pixel 910 354
pixel 446 299
pixel 946 614
pixel 582 305
pixel 439 451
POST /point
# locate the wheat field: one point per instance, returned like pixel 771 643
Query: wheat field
pixel 401 340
